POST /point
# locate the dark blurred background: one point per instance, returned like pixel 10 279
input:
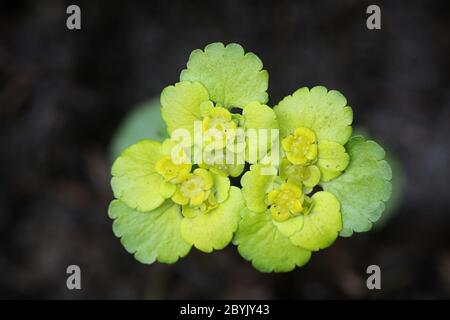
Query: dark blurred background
pixel 64 93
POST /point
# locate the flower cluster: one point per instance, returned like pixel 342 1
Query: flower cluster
pixel 304 180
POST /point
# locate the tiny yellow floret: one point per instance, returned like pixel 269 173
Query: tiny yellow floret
pixel 286 201
pixel 218 127
pixel 195 189
pixel 172 172
pixel 301 146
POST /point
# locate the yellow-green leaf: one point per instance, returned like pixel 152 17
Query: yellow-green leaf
pixel 150 236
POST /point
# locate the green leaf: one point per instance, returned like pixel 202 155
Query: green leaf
pixel 214 230
pixel 291 225
pixel 364 187
pixel 150 236
pixel 398 182
pixel 167 189
pixel 260 241
pixel 332 159
pixel 221 186
pixel 324 112
pixel 255 187
pixel 321 225
pixel 235 170
pixel 143 122
pixel 233 78
pixel 180 105
pixel 134 180
pixel 259 116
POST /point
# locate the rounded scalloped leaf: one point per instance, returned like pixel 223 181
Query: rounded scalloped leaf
pixel 233 78
pixel 221 185
pixel 332 159
pixel 321 225
pixel 255 186
pixel 150 236
pixel 259 116
pixel 134 180
pixel 291 225
pixel 180 105
pixel 364 187
pixel 260 242
pixel 324 112
pixel 214 230
pixel 167 189
pixel 235 170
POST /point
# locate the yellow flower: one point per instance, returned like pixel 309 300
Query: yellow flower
pixel 172 172
pixel 307 175
pixel 195 189
pixel 300 147
pixel 218 127
pixel 285 201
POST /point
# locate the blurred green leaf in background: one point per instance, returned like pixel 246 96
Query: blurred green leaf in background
pixel 143 122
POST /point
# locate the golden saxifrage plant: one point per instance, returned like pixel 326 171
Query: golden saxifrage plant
pixel 304 179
